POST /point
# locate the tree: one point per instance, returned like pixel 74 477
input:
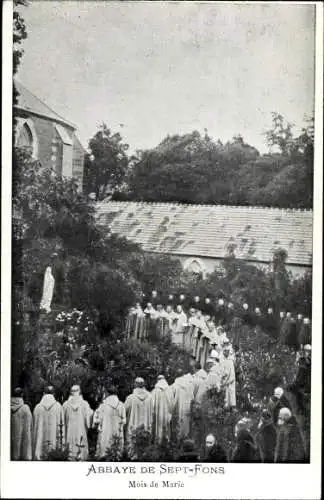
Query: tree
pixel 190 168
pixel 107 163
pixel 19 34
pixel 280 135
pixel 51 215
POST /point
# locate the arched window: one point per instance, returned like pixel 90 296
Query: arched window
pixel 195 266
pixel 26 137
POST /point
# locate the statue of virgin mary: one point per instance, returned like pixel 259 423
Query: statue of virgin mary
pixel 48 289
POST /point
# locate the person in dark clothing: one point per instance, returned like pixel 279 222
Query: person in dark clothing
pixel 245 450
pixel 266 437
pixel 213 451
pixel 301 386
pixel 289 446
pixel 276 402
pixel 189 452
pixel 305 332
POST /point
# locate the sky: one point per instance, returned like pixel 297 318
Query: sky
pixel 149 69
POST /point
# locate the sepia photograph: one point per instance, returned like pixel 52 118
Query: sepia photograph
pixel 162 239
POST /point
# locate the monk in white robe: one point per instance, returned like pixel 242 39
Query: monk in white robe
pixel 139 411
pixel 183 394
pixel 21 427
pixel 199 379
pixel 48 425
pixel 163 404
pixel 77 419
pixel 110 419
pixel 228 378
pixel 178 326
pixel 207 383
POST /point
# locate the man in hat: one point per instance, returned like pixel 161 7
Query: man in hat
pixel 289 445
pixel 163 404
pixel 77 419
pixel 139 409
pixel 21 427
pixel 228 377
pixel 48 424
pixel 266 437
pixel 110 420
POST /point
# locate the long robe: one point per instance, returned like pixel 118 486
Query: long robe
pixel 21 430
pixel 199 379
pixel 77 418
pixel 163 404
pixel 183 393
pixel 48 426
pixel 228 382
pixel 130 325
pixel 48 290
pixel 289 446
pixel 110 417
pixel 178 326
pixel 139 411
pixel 199 325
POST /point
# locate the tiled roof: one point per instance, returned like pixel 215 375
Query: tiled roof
pixel 209 230
pixel 32 104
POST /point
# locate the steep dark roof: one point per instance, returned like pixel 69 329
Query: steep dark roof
pixel 27 101
pixel 209 230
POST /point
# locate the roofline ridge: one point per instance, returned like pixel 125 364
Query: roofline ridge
pixel 247 207
pixel 64 120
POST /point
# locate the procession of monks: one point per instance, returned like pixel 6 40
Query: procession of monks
pixel 196 333
pixel 164 412
pixel 166 407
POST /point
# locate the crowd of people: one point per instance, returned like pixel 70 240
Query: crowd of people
pixel 162 412
pixel 198 330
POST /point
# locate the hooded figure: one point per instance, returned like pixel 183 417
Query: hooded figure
pixel 77 419
pixel 289 445
pixel 48 425
pixel 183 395
pixel 162 409
pixel 21 427
pixel 199 379
pixel 213 451
pixel 266 437
pixel 139 408
pixel 110 417
pixel 245 450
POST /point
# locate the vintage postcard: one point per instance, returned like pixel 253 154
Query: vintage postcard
pixel 161 249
